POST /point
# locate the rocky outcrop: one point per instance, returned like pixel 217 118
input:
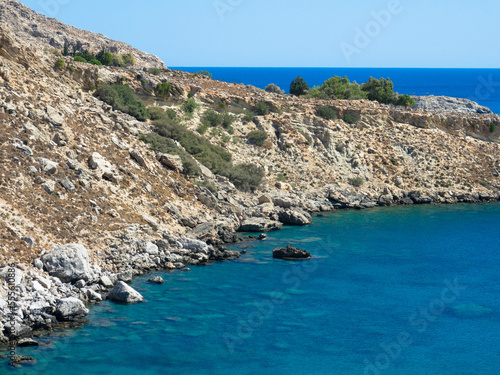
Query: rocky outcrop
pixel 69 263
pixel 290 253
pixel 156 280
pixel 40 31
pixel 448 104
pixel 259 224
pixel 123 293
pixel 295 217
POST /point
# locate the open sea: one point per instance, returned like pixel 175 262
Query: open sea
pixel 392 291
pixel 479 85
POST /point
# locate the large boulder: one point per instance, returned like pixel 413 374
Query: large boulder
pixel 171 161
pixel 103 167
pixel 259 224
pixel 295 217
pixel 70 309
pixel 69 263
pixel 48 166
pixel 195 246
pixel 290 252
pixel 124 294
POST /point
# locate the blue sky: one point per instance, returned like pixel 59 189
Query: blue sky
pixel 296 33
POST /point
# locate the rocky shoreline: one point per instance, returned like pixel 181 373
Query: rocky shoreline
pixel 56 291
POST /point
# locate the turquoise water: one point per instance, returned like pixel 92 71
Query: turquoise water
pixel 479 85
pixel 380 279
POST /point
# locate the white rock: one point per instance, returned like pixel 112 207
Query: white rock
pixel 68 262
pixel 125 294
pixel 70 308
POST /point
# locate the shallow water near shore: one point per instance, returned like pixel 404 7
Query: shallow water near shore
pixel 407 290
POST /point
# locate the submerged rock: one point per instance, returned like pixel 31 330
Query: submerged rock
pixel 125 294
pixel 470 310
pixel 156 280
pixel 290 252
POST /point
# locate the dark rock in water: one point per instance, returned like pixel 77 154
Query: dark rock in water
pixel 124 294
pixel 26 342
pixel 156 280
pixel 243 252
pixel 290 252
pixel 262 236
pixel 18 359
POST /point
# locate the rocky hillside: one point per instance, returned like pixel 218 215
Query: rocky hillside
pixel 84 203
pixel 41 32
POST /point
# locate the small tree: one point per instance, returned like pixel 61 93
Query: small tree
pixel 274 89
pixel 298 86
pixel 257 137
pixel 326 112
pixel 106 58
pixel 190 106
pixel 163 89
pixel 405 100
pixel 381 90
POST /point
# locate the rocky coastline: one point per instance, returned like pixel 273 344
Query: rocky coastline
pixel 86 206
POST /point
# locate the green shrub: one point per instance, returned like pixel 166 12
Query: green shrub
pixel 405 100
pixel 79 59
pixel 128 59
pixel 274 89
pixel 349 118
pixel 493 127
pixel 298 86
pixel 165 145
pixel 246 177
pixel 190 106
pixel 356 181
pixel 171 113
pixel 316 93
pixel 118 61
pixel 262 109
pixel 156 113
pixel 226 120
pixel 341 88
pixel 248 116
pixel 106 58
pixel 202 129
pixel 257 137
pixel 326 112
pixel 218 160
pixel 380 90
pixel 154 71
pixel 95 62
pixel 60 64
pixel 210 118
pixel 85 55
pixel 163 89
pixel 71 69
pixel 123 98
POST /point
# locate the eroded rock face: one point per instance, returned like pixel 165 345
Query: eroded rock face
pixel 448 104
pixel 290 252
pixel 123 293
pixel 295 217
pixel 69 263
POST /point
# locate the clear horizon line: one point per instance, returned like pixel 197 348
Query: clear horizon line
pixel 318 67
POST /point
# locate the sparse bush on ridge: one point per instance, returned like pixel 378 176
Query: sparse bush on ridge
pixel 349 118
pixel 60 64
pixel 274 89
pixel 190 106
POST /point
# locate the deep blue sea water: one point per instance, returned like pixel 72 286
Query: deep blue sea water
pixel 479 85
pixel 409 290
